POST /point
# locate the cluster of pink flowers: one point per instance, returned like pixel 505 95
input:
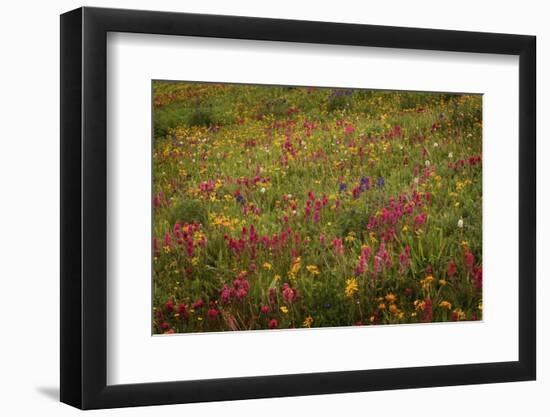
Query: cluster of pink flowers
pixel 238 291
pixel 289 293
pixel 382 259
pixel 338 246
pixel 363 260
pixel 160 200
pixel 397 209
pixel 395 132
pixel 316 205
pixel 405 259
pixel 251 243
pixel 461 163
pixel 252 182
pixel 207 186
pixel 181 236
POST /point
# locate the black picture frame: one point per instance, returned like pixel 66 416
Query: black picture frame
pixel 84 207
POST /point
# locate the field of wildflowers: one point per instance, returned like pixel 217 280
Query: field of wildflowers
pixel 289 207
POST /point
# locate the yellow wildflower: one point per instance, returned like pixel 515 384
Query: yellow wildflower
pixel 390 298
pixel 284 309
pixel 445 305
pixel 295 268
pixel 351 287
pixel 308 321
pixel 312 269
pixel 350 237
pixel 372 237
pixel 460 315
pixel 267 266
pixel 419 305
pixel 426 282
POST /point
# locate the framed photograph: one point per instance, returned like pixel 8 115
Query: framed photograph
pixel 256 208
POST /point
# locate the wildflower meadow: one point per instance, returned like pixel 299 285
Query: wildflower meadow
pixel 297 207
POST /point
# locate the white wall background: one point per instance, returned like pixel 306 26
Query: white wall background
pixel 29 225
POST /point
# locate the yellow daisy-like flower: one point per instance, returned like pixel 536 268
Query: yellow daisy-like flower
pixel 350 237
pixel 460 315
pixel 284 309
pixel 390 298
pixel 372 237
pixel 295 268
pixel 419 305
pixel 351 287
pixel 267 266
pixel 445 305
pixel 312 269
pixel 426 282
pixel 308 321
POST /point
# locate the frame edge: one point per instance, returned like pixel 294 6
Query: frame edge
pixel 83 213
pixel 70 204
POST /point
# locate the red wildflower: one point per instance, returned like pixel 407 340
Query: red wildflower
pixel 169 306
pixel 427 315
pixel 451 269
pixel 468 258
pixel 478 277
pixel 420 219
pixel 338 246
pixel 273 324
pixel 212 313
pixel 289 293
pixel 182 311
pixel 349 129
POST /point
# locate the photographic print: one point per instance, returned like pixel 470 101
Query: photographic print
pixel 280 207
